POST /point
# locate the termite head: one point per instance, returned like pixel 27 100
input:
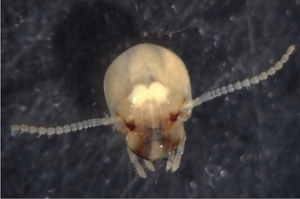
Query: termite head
pixel 146 88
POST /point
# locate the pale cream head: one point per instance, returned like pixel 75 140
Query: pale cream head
pixel 146 87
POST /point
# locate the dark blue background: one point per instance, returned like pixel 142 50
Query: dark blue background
pixel 54 57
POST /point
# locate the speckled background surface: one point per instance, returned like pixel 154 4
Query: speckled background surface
pixel 54 57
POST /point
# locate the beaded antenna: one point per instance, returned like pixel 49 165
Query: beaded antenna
pixel 148 93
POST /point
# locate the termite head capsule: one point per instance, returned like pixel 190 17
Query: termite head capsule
pixel 146 88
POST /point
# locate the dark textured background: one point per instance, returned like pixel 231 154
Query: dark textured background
pixel 54 57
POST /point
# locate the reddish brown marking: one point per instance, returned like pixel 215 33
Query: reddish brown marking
pixel 173 117
pixel 146 133
pixel 131 126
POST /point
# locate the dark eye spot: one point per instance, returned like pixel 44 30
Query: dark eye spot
pixel 130 125
pixel 173 117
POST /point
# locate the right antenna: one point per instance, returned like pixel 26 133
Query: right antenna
pixel 246 82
